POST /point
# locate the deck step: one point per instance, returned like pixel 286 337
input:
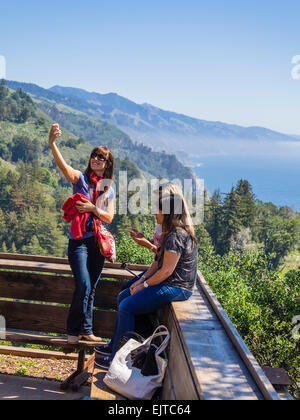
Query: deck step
pixel 100 391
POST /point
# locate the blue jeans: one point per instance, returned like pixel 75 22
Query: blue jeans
pixel 86 263
pixel 146 301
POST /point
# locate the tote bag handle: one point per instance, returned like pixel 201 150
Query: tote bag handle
pixel 156 334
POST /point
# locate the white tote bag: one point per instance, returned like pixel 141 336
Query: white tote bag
pixel 127 380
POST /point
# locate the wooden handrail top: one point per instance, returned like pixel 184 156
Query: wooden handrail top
pixel 56 268
pixel 64 261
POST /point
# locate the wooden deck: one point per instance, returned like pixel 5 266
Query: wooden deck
pixel 100 391
pixel 208 360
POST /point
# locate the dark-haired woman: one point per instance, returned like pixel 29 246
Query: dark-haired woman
pixel 171 277
pixel 84 256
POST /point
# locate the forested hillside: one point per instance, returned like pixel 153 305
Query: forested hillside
pixel 249 250
pixel 240 222
pixel 32 189
pixel 84 119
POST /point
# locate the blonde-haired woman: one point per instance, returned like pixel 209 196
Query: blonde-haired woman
pixel 171 277
pixel 154 244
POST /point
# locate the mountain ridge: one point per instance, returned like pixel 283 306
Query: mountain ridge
pixel 84 94
pixel 161 130
pixel 73 114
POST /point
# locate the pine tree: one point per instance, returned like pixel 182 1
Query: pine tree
pixel 2 226
pixel 246 203
pixel 231 220
pixel 4 247
pixel 213 218
pixel 3 89
pixel 33 248
pixel 203 238
pixel 13 248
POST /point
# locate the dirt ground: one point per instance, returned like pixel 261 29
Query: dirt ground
pixel 54 369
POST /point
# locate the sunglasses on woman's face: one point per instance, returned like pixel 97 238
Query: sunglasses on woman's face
pixel 95 155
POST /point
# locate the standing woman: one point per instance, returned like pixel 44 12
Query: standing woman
pixel 85 258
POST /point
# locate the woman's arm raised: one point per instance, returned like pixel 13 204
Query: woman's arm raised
pixel 69 173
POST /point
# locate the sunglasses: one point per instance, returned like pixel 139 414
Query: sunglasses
pixel 95 155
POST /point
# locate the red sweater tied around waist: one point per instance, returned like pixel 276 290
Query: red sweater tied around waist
pixel 71 214
pixel 105 239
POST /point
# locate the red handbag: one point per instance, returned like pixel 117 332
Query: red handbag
pixel 106 241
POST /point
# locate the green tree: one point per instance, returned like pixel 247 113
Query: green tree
pixel 33 247
pixel 42 224
pixel 13 249
pixel 25 149
pixel 279 237
pixel 246 203
pixel 213 218
pixel 4 247
pixel 203 238
pixel 129 251
pixel 230 220
pixel 3 231
pixel 3 90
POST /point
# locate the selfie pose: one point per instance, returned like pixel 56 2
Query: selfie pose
pixel 91 202
pixel 171 277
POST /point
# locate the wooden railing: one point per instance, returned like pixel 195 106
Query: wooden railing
pixel 207 357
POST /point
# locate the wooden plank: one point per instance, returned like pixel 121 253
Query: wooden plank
pixel 277 376
pixel 50 318
pixel 57 260
pixel 168 389
pixel 180 383
pixel 217 369
pixel 55 289
pixel 255 370
pixel 45 340
pixel 43 267
pixel 36 353
pixel 99 391
pixel 33 258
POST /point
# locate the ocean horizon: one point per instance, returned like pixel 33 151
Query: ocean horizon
pixel 273 179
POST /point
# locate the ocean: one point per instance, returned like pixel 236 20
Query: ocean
pixel 273 179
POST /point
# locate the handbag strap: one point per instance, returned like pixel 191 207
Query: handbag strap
pixel 134 334
pixel 156 334
pixel 92 195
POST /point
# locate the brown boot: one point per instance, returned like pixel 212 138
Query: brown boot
pixel 91 338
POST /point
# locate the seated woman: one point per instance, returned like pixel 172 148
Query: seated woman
pixel 171 277
pixel 153 244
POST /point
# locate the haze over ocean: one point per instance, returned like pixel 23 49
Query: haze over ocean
pixel 273 179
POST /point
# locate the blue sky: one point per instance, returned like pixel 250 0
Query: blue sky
pixel 219 60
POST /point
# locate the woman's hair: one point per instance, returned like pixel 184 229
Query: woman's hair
pixel 171 188
pixel 109 171
pixel 176 216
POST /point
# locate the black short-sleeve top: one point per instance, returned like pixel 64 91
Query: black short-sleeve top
pixel 185 273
